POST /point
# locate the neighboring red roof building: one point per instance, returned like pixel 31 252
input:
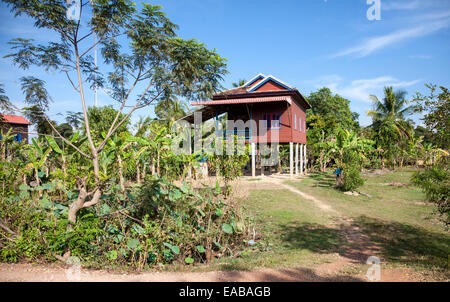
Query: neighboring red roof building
pixel 15 119
pixel 19 126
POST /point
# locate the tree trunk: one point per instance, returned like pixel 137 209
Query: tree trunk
pixel 144 172
pixel 138 173
pixel 121 180
pixel 81 202
pixel 36 175
pixel 64 168
pixel 153 167
pixel 157 166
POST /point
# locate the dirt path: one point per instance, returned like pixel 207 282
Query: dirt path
pixel 359 249
pixel 357 252
pixel 62 273
pixel 320 204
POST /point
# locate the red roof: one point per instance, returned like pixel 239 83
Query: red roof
pixel 15 119
pixel 243 101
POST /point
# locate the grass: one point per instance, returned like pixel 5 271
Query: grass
pixel 397 218
pixel 293 233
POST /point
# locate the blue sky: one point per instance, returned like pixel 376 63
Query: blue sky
pixel 307 43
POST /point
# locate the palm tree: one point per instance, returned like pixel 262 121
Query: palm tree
pixel 5 104
pixel 142 125
pixel 388 121
pixel 171 110
pixel 348 140
pixel 74 119
pixel 391 112
pixel 240 83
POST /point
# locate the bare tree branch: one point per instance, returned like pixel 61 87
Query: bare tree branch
pixel 120 110
pixel 3 226
pixel 70 80
pixel 66 140
pixel 100 40
pixel 128 115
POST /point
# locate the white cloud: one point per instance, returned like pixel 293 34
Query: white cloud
pixel 401 5
pixel 409 5
pixel 432 24
pixel 359 90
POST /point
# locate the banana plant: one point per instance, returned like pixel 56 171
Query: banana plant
pixel 432 153
pixel 5 139
pixel 37 155
pixel 65 152
pixel 152 146
pixel 116 147
pixel 349 140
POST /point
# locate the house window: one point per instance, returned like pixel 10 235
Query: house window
pixel 273 120
pixel 18 137
pixel 300 124
pixel 276 121
pixel 295 121
pixel 304 126
pixel 266 117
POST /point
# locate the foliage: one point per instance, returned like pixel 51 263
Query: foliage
pixel 352 178
pixel 229 166
pixel 101 119
pixel 329 112
pixel 5 104
pixel 156 62
pixel 157 223
pixel 333 108
pixel 171 110
pixel 435 182
pixel 437 111
pixel 239 83
pixel 392 131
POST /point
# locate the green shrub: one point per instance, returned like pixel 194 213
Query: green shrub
pixel 174 223
pixel 352 178
pixel 435 183
pixel 155 223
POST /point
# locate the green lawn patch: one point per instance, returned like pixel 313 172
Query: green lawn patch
pixel 396 217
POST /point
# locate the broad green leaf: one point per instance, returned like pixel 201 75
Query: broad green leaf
pixel 112 255
pixel 133 243
pixel 138 140
pixel 53 144
pixel 45 203
pixel 189 260
pixel 36 146
pixel 175 249
pixel 75 136
pixel 105 209
pixel 201 212
pixel 23 187
pixel 201 249
pixel 227 228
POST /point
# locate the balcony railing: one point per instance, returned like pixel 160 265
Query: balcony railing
pixel 247 134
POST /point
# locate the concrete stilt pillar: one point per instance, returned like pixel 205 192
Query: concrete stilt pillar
pixel 262 161
pixel 301 159
pixel 189 172
pixel 253 147
pixel 291 159
pixel 305 156
pixel 296 158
